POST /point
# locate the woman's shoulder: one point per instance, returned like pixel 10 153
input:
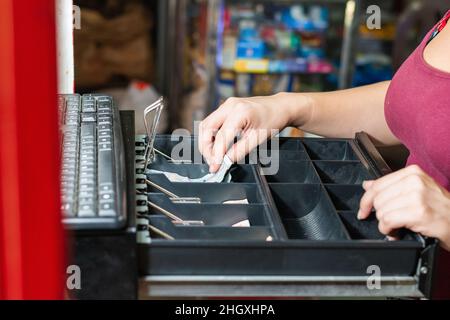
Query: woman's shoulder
pixel 437 51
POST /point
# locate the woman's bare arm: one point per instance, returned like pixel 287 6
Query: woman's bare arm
pixel 331 114
pixel 344 113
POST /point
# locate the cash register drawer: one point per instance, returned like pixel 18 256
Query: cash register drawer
pixel 300 222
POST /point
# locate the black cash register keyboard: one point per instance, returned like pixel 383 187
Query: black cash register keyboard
pixel 93 170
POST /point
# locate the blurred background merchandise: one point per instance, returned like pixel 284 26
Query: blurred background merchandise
pixel 199 52
pixel 114 45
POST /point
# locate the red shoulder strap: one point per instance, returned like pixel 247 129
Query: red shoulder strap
pixel 443 22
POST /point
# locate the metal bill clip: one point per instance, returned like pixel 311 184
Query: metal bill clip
pixel 160 233
pixel 175 219
pixel 163 190
pixel 172 160
pixel 173 197
pixel 152 111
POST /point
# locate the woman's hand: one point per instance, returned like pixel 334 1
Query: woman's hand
pixel 411 199
pixel 253 119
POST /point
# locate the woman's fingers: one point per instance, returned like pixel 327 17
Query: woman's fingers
pixel 381 184
pixel 409 199
pixel 417 218
pixel 368 184
pixel 393 204
pixel 249 141
pixel 396 192
pixel 390 198
pixel 231 128
pixel 401 217
pixel 207 131
pixel 206 142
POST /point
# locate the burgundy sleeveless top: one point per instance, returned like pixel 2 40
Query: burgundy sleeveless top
pixel 417 110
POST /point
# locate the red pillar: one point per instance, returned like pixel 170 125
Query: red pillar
pixel 31 235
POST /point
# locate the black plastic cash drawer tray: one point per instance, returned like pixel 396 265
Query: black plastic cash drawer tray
pixel 300 221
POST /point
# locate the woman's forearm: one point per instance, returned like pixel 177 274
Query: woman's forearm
pixel 342 113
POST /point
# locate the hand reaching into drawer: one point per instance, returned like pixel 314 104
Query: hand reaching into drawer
pixel 411 199
pixel 253 119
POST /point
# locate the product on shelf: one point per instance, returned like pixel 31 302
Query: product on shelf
pixel 287 39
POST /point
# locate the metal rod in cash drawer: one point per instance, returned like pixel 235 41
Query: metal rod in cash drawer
pixel 163 154
pixel 160 232
pixel 176 219
pixel 157 107
pixel 164 211
pixel 170 158
pixel 163 190
pixel 173 197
